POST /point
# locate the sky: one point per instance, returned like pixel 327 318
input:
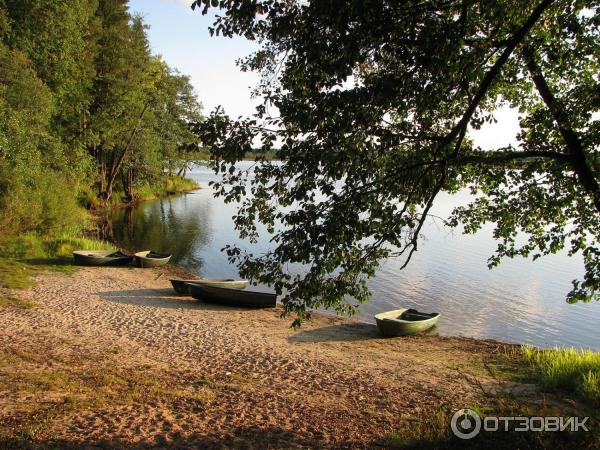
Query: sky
pixel 181 37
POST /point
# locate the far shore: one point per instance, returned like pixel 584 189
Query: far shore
pixel 111 357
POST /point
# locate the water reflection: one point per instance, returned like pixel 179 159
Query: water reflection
pixel 520 301
pixel 176 225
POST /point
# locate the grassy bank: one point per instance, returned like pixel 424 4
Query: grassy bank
pixel 141 192
pixel 26 255
pixel 531 383
pixel 29 254
pixel 570 371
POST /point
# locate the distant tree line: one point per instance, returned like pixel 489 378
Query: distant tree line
pixel 88 116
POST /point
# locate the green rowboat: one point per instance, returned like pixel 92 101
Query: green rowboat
pixel 181 287
pixel 101 258
pixel 402 322
pixel 151 259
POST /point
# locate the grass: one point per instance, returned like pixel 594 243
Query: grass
pixel 568 370
pixel 141 192
pixel 28 255
pixel 169 186
pixel 432 430
pixel 176 184
pixel 555 371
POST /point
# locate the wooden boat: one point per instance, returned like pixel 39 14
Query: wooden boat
pixel 182 289
pixel 151 259
pixel 401 322
pixel 101 258
pixel 232 297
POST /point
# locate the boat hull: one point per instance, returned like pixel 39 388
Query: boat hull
pixel 181 287
pixel 390 324
pixel 100 258
pixel 142 260
pixel 232 297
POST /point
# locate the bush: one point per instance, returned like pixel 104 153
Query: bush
pixel 42 203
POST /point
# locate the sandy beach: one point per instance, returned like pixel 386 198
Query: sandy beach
pixel 241 378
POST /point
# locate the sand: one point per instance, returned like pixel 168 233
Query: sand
pixel 334 382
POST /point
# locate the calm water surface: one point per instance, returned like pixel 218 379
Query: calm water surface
pixel 520 301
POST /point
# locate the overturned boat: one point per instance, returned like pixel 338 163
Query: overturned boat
pixel 232 297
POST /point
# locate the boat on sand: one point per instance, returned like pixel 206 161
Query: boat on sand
pixel 181 287
pixel 402 322
pixel 232 297
pixel 149 258
pixel 101 258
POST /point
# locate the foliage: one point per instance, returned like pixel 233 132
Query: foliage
pixel 570 370
pixel 141 110
pixel 32 195
pixel 84 108
pixel 370 105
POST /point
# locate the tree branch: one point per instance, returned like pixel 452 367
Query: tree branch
pixel 504 157
pixel 487 81
pixel 577 155
pixel 115 167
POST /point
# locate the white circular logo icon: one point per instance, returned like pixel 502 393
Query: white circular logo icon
pixel 465 424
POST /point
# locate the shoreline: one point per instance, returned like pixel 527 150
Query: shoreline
pixel 136 365
pixel 249 362
pixel 100 210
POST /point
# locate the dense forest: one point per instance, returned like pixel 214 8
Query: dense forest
pixel 88 116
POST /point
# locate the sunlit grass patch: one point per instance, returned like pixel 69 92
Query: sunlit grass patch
pixel 421 430
pixel 178 184
pixel 432 429
pixel 567 369
pixel 169 186
pixel 29 254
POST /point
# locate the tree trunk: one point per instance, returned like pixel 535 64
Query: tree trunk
pixel 115 165
pixel 102 164
pixel 127 178
pixel 181 172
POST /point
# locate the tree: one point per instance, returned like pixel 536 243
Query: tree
pixel 375 99
pixel 177 114
pixel 30 191
pixel 124 89
pixel 59 39
pixel 83 104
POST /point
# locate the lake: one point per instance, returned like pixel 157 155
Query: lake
pixel 521 301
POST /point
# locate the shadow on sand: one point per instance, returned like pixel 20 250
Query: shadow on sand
pixel 161 298
pixel 64 262
pixel 238 438
pixel 348 332
pixel 338 333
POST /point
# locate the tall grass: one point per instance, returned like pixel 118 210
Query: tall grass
pixel 567 369
pixel 30 253
pixel 142 191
